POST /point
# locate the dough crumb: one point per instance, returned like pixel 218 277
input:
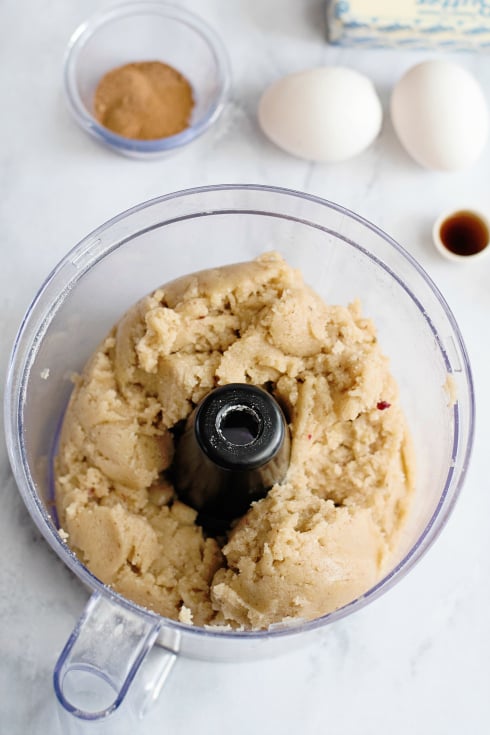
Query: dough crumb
pixel 451 390
pixel 185 615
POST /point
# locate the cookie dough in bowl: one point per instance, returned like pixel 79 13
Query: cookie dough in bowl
pixel 320 538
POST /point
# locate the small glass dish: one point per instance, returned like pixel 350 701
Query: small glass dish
pixel 146 31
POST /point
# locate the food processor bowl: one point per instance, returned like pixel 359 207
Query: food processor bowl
pixel 343 257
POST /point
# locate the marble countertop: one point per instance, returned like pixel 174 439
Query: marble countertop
pixel 414 661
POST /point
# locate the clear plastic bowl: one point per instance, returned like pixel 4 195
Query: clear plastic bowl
pixel 343 257
pixel 146 31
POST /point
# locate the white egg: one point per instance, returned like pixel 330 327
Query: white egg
pixel 440 115
pixel 326 114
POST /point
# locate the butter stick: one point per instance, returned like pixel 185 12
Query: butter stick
pixel 448 24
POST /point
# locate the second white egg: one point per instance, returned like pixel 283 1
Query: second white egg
pixel 326 114
pixel 440 115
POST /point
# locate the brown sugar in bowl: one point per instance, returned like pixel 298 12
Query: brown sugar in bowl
pixel 145 100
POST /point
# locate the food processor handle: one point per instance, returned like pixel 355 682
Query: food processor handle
pixel 234 448
pixel 99 666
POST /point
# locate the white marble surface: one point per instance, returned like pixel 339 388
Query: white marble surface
pixel 415 661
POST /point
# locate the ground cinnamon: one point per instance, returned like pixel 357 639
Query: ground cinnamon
pixel 144 100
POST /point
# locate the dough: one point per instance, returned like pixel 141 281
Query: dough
pixel 319 539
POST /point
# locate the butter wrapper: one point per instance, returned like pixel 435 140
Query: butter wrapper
pixel 453 25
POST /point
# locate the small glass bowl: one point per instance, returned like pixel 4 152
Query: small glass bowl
pixel 146 31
